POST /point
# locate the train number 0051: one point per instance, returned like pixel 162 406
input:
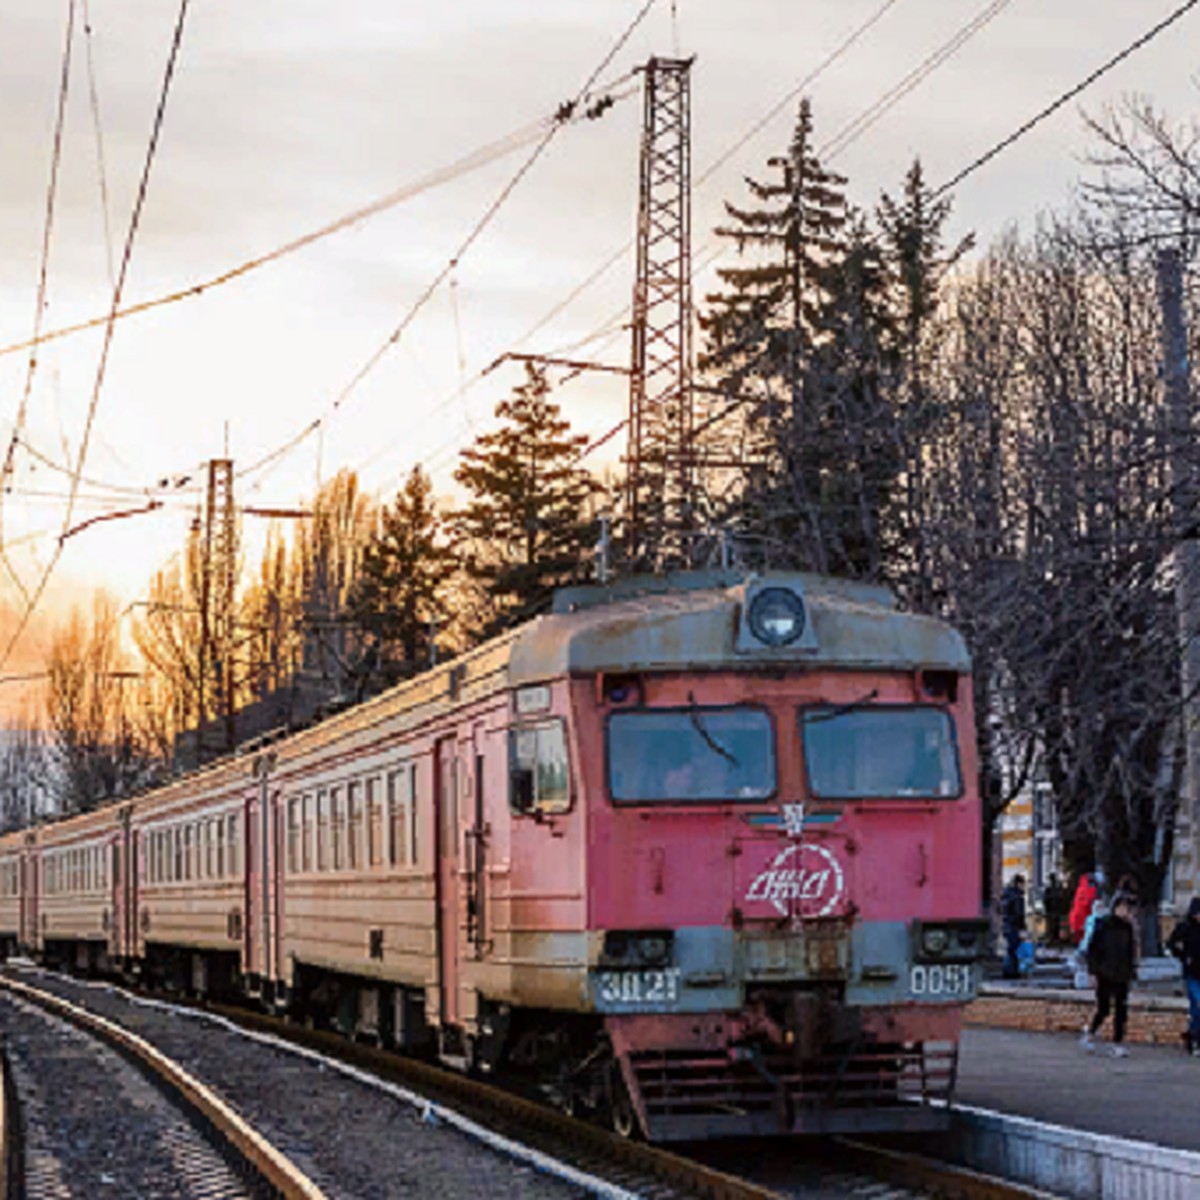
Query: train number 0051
pixel 639 987
pixel 950 979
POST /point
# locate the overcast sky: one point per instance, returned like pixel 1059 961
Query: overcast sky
pixel 285 115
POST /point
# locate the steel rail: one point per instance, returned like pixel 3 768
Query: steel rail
pixel 906 1169
pixel 596 1149
pixel 589 1146
pixel 12 1170
pixel 598 1146
pixel 259 1158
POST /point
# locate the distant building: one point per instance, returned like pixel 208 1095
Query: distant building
pixel 1030 846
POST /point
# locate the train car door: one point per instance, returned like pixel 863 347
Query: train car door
pixel 116 883
pixel 262 858
pixel 278 810
pixel 449 915
pixel 249 857
pixel 30 895
pixel 129 839
pixel 476 838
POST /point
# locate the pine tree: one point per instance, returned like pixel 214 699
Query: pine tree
pixel 396 600
pixel 806 328
pixel 762 326
pixel 526 528
pixel 847 446
pixel 918 260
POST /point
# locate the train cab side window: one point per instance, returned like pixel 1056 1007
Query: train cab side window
pixel 538 769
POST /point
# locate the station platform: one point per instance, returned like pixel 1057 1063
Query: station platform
pixel 1047 1077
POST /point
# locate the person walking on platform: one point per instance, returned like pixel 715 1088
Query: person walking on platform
pixel 1112 963
pixel 1184 943
pixel 1012 919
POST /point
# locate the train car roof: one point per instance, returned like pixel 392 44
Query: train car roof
pixel 688 620
pixel 685 621
pixel 695 620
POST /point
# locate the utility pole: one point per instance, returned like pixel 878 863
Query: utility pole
pixel 1187 549
pixel 217 581
pixel 660 509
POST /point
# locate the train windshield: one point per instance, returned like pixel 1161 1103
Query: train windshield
pixel 694 755
pixel 859 753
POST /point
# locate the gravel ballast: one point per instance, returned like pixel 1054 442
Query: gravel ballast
pixel 353 1140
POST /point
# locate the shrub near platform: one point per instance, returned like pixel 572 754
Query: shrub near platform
pixel 1153 1019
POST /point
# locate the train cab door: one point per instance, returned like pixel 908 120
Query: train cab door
pixel 447 881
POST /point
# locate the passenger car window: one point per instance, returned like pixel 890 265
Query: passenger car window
pixel 539 771
pixel 693 755
pixel 880 752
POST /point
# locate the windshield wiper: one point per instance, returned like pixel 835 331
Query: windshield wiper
pixel 840 710
pixel 710 741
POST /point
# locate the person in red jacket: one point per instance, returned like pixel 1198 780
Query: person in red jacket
pixel 1086 895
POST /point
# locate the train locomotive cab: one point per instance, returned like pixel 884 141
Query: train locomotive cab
pixel 782 856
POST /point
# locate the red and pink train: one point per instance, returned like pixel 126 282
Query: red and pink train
pixel 698 854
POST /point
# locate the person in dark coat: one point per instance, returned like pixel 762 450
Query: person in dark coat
pixel 1012 920
pixel 1112 962
pixel 1054 901
pixel 1184 943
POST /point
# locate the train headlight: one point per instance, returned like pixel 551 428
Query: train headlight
pixel 935 941
pixel 776 616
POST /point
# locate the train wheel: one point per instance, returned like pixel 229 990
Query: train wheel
pixel 622 1114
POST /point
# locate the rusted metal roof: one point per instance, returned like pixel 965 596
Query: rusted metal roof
pixel 668 623
pixel 692 621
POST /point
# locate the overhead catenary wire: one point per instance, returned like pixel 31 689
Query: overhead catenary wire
pixel 171 484
pixel 621 251
pixel 480 157
pixel 888 100
pixel 838 52
pixel 1005 143
pixel 98 137
pixel 127 253
pixel 855 128
pixel 6 469
pixel 566 112
pixel 1065 98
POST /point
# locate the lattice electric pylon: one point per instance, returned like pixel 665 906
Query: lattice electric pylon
pixel 217 584
pixel 660 501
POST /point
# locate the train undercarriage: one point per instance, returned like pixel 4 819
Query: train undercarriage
pixel 793 1061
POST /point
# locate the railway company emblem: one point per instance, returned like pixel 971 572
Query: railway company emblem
pixel 802 879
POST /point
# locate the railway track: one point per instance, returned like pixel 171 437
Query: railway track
pixel 590 1155
pixel 92 1110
